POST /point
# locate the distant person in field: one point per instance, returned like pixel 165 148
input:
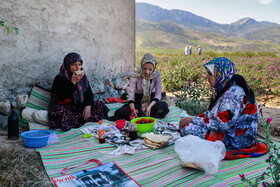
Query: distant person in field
pixel 199 49
pixel 190 50
pixel 186 52
pixel 232 116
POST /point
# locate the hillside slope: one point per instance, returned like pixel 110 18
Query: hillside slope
pixel 162 28
pixel 169 35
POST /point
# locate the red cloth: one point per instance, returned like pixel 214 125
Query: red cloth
pixel 114 100
pixel 65 102
pixel 255 150
pixel 214 136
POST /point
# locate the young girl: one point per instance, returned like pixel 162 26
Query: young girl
pixel 144 92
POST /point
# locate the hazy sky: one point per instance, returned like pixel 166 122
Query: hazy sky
pixel 225 11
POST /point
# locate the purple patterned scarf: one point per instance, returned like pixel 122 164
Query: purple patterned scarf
pixel 83 84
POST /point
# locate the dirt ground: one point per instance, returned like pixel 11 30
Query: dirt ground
pixel 21 166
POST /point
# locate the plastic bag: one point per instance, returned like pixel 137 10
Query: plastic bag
pixel 199 153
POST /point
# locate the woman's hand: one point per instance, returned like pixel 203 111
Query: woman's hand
pixel 77 78
pixel 136 113
pixel 148 111
pixel 149 108
pixel 185 121
pixel 87 112
pixel 131 105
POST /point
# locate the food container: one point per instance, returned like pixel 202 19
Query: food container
pixel 36 138
pixel 120 124
pixel 111 130
pixel 148 127
pixel 135 142
pixel 78 72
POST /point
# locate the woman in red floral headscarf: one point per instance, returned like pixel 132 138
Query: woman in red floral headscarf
pixel 232 116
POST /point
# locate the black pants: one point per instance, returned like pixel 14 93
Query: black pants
pixel 159 110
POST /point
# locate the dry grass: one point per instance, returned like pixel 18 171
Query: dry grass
pixel 20 166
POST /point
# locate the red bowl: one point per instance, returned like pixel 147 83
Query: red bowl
pixel 120 123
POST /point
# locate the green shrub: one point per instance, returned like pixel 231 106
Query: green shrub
pixel 193 97
pixel 213 54
pixel 268 53
pixel 225 53
pixel 249 54
pixel 273 170
pixel 261 72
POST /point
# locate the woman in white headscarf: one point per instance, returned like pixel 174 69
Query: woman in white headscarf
pixel 144 92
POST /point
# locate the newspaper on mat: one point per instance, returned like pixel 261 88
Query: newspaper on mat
pixel 109 174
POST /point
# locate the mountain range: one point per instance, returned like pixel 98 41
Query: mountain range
pixel 173 29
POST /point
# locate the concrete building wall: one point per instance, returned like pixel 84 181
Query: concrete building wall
pixel 101 31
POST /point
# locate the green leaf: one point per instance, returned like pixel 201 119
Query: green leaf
pixel 16 30
pixel 8 30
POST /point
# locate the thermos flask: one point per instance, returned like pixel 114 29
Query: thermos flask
pixel 13 130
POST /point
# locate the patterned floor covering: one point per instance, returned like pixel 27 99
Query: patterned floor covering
pixel 159 167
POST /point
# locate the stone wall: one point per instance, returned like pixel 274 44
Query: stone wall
pixel 102 32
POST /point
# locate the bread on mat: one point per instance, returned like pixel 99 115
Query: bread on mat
pixel 155 141
pixel 191 165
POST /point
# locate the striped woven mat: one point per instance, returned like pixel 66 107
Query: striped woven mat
pixel 159 167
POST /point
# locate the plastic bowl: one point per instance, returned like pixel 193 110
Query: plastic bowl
pixel 36 138
pixel 144 127
pixel 120 123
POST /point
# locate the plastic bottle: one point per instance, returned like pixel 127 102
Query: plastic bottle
pixel 132 114
pixel 101 132
pixel 13 126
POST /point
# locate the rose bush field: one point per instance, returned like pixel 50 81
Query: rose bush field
pixel 261 70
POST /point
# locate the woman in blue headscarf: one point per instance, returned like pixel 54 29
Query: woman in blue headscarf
pixel 232 116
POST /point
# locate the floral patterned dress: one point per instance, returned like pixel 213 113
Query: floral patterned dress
pixel 233 120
